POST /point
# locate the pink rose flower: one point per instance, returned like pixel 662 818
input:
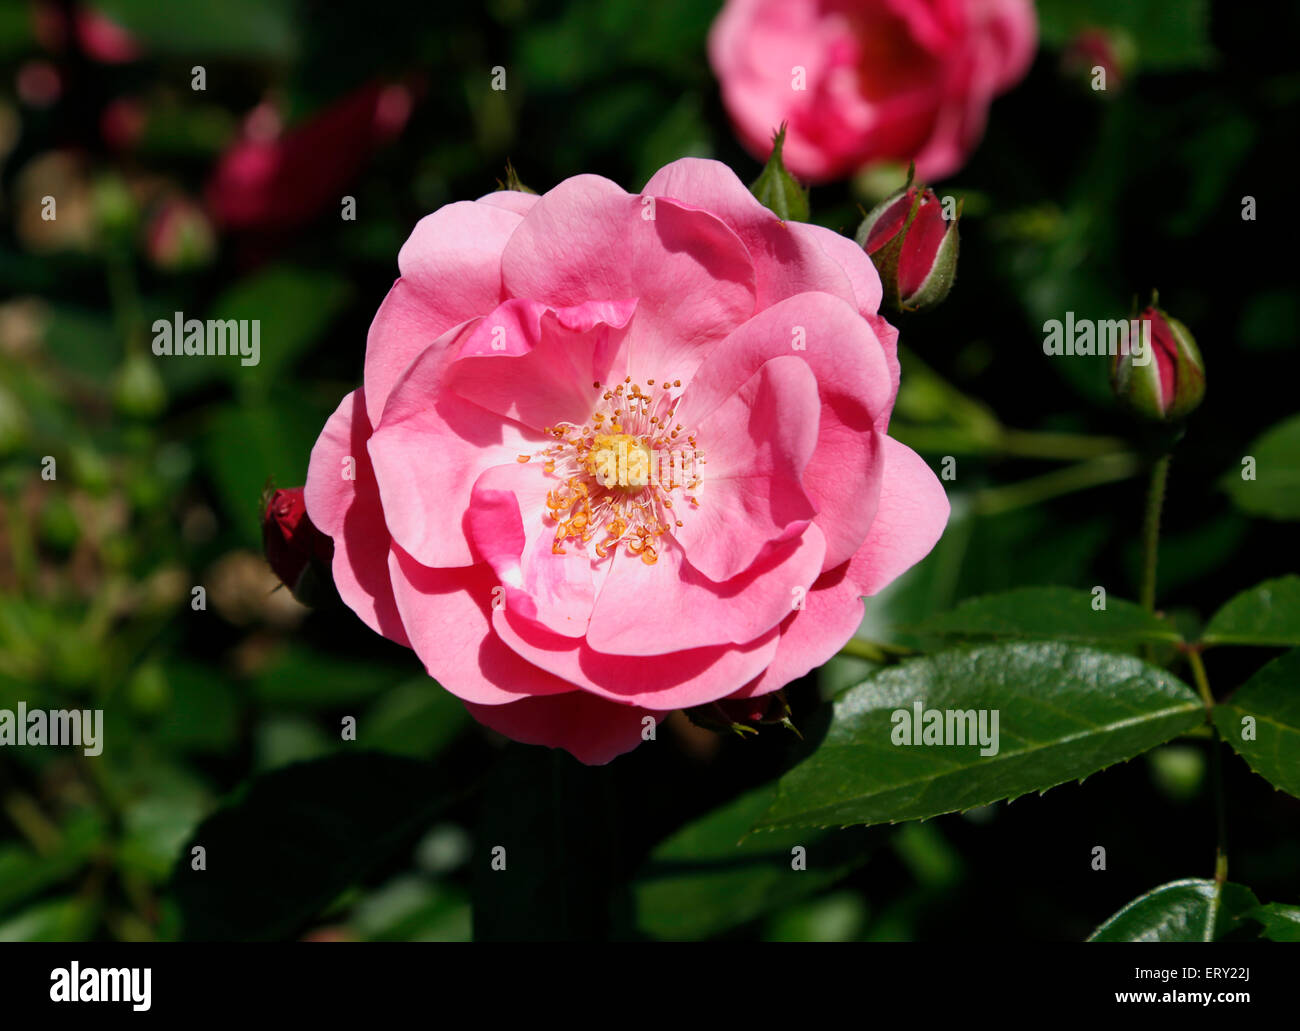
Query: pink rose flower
pixel 621 454
pixel 858 81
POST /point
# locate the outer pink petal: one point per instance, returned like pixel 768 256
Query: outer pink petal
pixel 453 256
pixel 671 681
pixel 789 257
pixel 404 327
pixel 349 511
pixel 588 240
pixel 913 512
pixel 451 272
pixel 590 729
pixel 838 344
pixel 757 444
pixel 512 200
pixel 670 607
pixel 832 613
pixel 448 613
pixel 911 517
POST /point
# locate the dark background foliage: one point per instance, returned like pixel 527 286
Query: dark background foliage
pixel 1075 201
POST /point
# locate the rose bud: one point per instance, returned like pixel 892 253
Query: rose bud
pixel 776 189
pixel 1102 58
pixel 179 236
pixel 1169 387
pixel 913 246
pixel 299 554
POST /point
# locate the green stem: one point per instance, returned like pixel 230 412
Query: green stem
pixel 1107 469
pixel 1216 769
pixel 875 651
pixel 999 441
pixel 1151 531
pixel 125 297
pixel 1066 446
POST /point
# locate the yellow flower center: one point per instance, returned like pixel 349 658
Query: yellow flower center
pixel 618 473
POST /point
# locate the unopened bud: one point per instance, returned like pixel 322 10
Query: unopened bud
pixel 299 554
pixel 913 246
pixel 1165 383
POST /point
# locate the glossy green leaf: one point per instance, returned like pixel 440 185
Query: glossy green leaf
pixel 709 877
pixel 1063 712
pixel 283 851
pixel 1274 490
pixel 1262 722
pixel 1181 911
pixel 1267 615
pixel 1060 613
pixel 1281 922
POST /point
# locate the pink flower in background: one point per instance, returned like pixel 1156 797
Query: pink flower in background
pixel 99 37
pixel 621 454
pixel 270 181
pixel 859 81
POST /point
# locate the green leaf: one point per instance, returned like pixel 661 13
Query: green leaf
pixel 777 190
pixel 1168 36
pixel 226 28
pixel 1262 722
pixel 1274 493
pixel 303 677
pixel 58 920
pixel 1281 922
pixel 24 873
pixel 243 445
pixel 1063 712
pixel 1182 911
pixel 294 307
pixel 1060 613
pixel 296 838
pixel 416 718
pixel 1267 615
pixel 708 877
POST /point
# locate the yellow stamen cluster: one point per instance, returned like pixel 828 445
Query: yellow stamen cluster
pixel 618 471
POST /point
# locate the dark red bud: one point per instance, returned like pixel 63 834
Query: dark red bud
pixel 299 554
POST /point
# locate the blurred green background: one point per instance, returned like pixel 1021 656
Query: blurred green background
pixel 1076 200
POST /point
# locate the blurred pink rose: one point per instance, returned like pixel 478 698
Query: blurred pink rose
pixel 99 37
pixel 864 80
pixel 488 489
pixel 271 181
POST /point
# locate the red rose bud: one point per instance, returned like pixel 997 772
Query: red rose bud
pixel 1102 58
pixel 913 246
pixel 299 554
pixel 179 236
pixel 1160 375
